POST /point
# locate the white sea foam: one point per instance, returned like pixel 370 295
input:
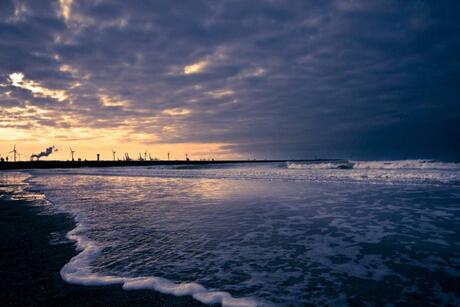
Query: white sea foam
pixel 387 172
pixel 320 165
pixel 275 238
pixel 382 172
pixel 77 271
pixel 406 164
pixel 377 165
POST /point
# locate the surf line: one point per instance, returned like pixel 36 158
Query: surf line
pixel 77 271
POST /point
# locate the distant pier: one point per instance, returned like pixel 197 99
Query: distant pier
pixel 84 163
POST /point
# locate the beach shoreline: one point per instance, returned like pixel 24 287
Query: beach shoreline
pixel 30 265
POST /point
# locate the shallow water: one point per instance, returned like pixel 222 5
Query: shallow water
pixel 284 234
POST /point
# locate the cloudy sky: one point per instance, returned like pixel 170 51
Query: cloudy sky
pixel 231 79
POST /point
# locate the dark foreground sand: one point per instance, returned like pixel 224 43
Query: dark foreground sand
pixel 29 266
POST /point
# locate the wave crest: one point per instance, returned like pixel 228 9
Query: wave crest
pixel 321 165
pixel 383 165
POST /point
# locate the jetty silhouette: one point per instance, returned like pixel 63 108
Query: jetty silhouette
pixel 36 163
pixel 48 164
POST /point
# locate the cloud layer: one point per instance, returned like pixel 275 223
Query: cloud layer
pixel 372 79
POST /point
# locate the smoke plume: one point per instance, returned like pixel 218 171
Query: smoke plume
pixel 45 153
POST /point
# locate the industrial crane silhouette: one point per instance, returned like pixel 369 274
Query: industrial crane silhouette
pixel 71 153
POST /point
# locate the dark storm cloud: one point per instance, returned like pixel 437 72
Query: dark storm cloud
pixel 282 79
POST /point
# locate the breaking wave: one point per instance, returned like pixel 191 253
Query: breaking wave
pixel 77 271
pixel 320 165
pixel 377 165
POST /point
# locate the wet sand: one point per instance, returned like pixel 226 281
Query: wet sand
pixel 30 265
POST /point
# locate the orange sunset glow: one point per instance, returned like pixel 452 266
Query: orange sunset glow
pixel 247 153
pixel 28 126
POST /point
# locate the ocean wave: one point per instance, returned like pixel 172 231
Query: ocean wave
pixel 383 172
pixel 378 165
pixel 77 271
pixel 103 233
pixel 406 164
pixel 320 165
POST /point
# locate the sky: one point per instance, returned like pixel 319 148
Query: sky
pixel 231 79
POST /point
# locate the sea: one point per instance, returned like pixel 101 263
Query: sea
pixel 337 233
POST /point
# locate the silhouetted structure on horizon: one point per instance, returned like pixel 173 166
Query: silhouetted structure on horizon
pixel 71 153
pixel 129 162
pixel 14 151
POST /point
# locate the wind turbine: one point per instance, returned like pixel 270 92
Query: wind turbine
pixel 71 153
pixel 145 155
pixel 113 153
pixel 168 156
pixel 14 151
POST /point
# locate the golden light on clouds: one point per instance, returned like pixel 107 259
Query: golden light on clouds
pixel 116 101
pixel 65 8
pixel 17 79
pixel 23 110
pixel 10 134
pixel 28 128
pixel 65 68
pixel 221 93
pixel 196 67
pixel 35 127
pixel 177 112
pixel 68 69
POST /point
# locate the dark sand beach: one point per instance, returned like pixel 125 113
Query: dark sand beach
pixel 30 265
